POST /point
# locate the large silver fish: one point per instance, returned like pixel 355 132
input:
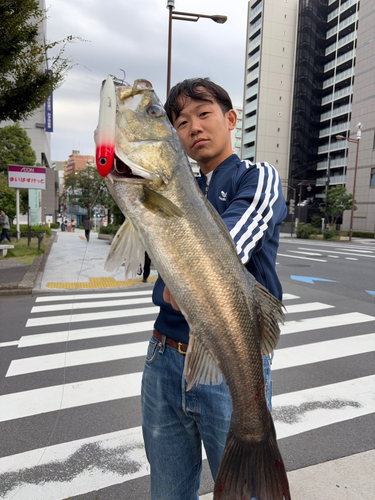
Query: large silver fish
pixel 231 317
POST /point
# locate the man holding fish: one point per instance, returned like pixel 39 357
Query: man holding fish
pixel 249 199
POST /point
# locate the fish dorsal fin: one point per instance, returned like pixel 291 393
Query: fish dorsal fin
pixel 127 246
pixel 154 201
pixel 270 314
pixel 200 365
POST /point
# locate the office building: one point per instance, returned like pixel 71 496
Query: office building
pixel 309 74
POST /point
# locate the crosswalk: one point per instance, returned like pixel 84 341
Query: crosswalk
pixel 77 372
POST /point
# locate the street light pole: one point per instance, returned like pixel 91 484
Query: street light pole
pixel 183 16
pixel 359 133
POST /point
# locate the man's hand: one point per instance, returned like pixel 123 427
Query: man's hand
pixel 168 298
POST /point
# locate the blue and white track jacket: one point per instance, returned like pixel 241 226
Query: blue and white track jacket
pixel 249 198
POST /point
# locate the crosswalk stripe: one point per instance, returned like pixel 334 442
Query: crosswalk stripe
pixel 76 358
pixel 76 318
pixel 36 401
pixel 284 358
pixel 306 324
pixel 307 307
pixel 72 306
pixel 310 409
pixel 84 333
pixel 289 296
pixel 323 351
pixel 84 296
pixel 306 410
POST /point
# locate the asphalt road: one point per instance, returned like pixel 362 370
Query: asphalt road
pixel 70 368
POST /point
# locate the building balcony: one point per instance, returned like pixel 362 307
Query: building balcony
pixel 341 127
pixel 333 179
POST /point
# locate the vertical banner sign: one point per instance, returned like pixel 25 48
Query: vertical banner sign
pixel 48 109
pixel 49 114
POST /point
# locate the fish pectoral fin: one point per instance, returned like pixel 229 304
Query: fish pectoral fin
pixel 154 201
pixel 271 313
pixel 126 246
pixel 200 365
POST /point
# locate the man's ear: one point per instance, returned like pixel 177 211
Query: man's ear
pixel 231 119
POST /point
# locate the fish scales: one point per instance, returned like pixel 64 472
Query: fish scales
pixel 231 317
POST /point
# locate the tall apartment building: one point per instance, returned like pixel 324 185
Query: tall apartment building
pixel 322 74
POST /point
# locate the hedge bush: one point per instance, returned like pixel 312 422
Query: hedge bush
pixel 361 234
pixel 109 229
pixel 305 231
pixel 35 230
pixel 55 225
pixel 328 234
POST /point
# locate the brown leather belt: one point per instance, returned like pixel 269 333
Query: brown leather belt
pixel 181 348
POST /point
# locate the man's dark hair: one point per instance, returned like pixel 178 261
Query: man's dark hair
pixel 202 89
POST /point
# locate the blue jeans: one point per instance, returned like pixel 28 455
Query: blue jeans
pixel 175 422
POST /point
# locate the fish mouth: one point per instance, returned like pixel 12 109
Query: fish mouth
pixel 124 170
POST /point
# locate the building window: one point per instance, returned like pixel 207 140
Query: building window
pixel 277 145
pixel 278 129
pixel 284 16
pixel 284 32
pixel 283 49
pixel 372 179
pixel 280 98
pixel 277 161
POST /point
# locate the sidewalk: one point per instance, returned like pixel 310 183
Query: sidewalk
pixel 70 263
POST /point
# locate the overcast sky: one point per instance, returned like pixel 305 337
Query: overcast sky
pixel 133 35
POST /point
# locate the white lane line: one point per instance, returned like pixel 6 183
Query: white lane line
pixel 355 249
pixel 306 253
pixel 76 358
pixel 87 392
pixel 308 324
pixel 307 307
pixel 350 258
pixel 84 333
pixel 91 305
pixel 94 296
pixel 93 316
pixel 289 296
pixel 298 257
pixel 318 407
pixel 323 351
pixel 344 253
pixel 311 409
pixel 333 256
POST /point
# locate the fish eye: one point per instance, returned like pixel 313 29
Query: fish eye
pixel 156 111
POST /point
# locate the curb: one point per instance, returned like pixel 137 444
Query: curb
pixel 26 285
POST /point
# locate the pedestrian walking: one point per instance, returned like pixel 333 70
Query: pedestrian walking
pixel 87 227
pixel 73 225
pixel 146 268
pixel 4 222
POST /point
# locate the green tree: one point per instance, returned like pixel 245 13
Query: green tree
pixel 87 188
pixel 24 83
pixel 15 148
pixel 337 201
pixel 7 198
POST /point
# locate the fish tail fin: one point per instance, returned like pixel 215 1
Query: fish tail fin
pixel 251 470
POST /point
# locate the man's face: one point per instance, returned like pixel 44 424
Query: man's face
pixel 2 213
pixel 205 131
